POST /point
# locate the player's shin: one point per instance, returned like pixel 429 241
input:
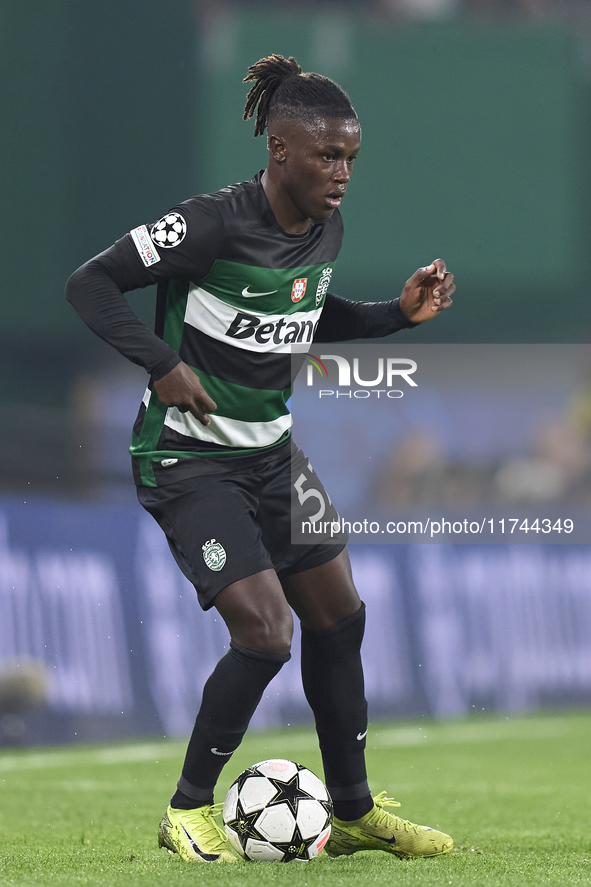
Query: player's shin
pixel 230 697
pixel 332 676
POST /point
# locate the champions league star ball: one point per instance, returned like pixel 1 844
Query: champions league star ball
pixel 169 231
pixel 278 811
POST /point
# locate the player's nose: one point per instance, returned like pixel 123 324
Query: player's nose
pixel 342 173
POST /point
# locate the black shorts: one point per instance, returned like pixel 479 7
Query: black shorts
pixel 227 526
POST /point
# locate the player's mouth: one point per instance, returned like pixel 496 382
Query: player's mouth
pixel 334 199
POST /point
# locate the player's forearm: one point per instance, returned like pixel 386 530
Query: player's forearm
pixel 342 320
pixel 102 306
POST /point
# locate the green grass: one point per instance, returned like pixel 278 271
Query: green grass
pixel 515 793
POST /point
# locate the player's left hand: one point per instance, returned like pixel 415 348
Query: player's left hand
pixel 427 292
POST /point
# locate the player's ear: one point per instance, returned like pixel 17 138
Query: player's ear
pixel 277 148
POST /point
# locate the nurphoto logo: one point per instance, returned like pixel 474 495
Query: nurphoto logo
pixel 388 372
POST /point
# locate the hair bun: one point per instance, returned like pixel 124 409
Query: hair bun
pixel 279 89
pixel 268 73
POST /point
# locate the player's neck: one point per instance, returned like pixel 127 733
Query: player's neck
pixel 286 213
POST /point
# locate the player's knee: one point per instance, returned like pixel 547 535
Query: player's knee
pixel 268 632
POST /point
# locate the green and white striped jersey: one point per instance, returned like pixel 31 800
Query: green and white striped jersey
pixel 236 296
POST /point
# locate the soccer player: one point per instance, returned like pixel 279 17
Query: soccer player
pixel 243 274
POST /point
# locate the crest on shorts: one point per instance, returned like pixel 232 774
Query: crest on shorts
pixel 214 555
pixel 298 289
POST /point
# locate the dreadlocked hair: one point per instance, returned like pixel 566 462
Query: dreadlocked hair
pixel 281 89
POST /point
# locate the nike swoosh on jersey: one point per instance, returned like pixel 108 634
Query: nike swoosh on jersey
pixel 248 295
pixel 361 736
pixel 216 752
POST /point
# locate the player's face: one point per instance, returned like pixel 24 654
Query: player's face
pixel 317 165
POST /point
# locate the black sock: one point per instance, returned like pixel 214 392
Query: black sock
pixel 230 697
pixel 332 675
pixel 181 801
pixel 348 810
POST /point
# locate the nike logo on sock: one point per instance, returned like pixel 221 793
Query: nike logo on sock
pixel 216 752
pixel 361 736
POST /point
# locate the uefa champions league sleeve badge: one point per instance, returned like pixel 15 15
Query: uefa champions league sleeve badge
pixel 169 231
pixel 214 555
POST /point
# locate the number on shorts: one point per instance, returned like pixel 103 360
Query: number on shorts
pixel 312 493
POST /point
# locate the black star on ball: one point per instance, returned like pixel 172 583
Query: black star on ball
pixel 289 792
pixel 244 825
pixel 296 847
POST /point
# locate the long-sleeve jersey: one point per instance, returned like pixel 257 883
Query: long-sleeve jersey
pixel 237 296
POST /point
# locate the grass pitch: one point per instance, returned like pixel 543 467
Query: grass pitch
pixel 515 793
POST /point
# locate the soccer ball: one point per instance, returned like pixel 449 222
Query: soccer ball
pixel 169 231
pixel 278 811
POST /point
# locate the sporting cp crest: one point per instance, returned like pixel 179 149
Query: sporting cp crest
pixel 298 289
pixel 323 285
pixel 214 555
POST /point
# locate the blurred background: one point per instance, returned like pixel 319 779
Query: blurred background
pixel 476 119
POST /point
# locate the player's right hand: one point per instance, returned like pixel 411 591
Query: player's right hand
pixel 182 389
